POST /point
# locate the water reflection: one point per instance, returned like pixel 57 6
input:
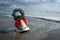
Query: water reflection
pixel 21 36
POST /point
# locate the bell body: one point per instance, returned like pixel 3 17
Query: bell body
pixel 22 25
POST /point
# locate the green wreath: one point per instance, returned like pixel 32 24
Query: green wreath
pixel 18 10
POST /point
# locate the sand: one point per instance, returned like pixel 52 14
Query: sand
pixel 39 29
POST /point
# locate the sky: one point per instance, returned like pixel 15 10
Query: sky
pixel 30 6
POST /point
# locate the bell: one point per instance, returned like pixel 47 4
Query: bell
pixel 18 14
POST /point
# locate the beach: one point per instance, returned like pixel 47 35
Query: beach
pixel 39 29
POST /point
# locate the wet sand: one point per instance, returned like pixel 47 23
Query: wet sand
pixel 39 30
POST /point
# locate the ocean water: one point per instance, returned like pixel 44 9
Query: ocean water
pixel 49 16
pixel 48 9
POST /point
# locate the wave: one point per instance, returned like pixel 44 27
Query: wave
pixel 55 19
